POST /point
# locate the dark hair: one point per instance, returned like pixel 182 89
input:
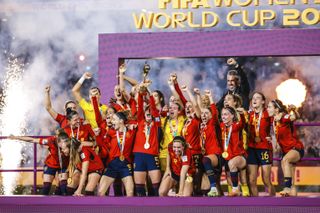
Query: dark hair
pixel 70 114
pixel 122 115
pixel 68 102
pixel 235 74
pixel 279 105
pixel 181 140
pixel 96 88
pixel 232 111
pixel 161 97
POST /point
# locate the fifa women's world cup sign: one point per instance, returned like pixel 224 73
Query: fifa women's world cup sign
pixel 236 13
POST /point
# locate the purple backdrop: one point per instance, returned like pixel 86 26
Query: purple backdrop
pixel 281 42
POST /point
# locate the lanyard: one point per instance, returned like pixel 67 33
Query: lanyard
pixel 72 133
pixel 121 145
pixel 257 123
pixel 227 140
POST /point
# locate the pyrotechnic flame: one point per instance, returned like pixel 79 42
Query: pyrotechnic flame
pixel 12 121
pixel 292 91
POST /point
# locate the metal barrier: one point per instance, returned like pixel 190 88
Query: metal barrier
pixel 35 170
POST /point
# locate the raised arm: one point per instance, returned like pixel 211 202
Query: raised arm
pixel 179 92
pixel 193 100
pixel 96 110
pixel 198 97
pixel 130 80
pixel 243 76
pixel 213 107
pixel 76 88
pixel 47 103
pixel 171 80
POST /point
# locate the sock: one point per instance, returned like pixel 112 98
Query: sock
pixel 288 182
pixel 63 187
pixel 70 191
pixel 197 179
pixel 234 179
pixel 140 190
pixel 209 170
pixel 57 191
pixel 155 187
pixel 245 189
pixel 117 187
pixel 89 193
pixel 46 188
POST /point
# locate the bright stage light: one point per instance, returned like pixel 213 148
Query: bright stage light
pixel 82 57
pixel 12 121
pixel 292 91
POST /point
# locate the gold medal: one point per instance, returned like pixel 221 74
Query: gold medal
pixel 225 154
pixel 146 146
pixel 203 151
pixel 69 181
pixel 122 157
pixel 189 179
pixel 257 139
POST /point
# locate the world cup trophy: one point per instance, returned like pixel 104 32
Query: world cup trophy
pixel 146 69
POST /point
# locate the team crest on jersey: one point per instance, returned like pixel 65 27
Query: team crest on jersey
pixel 45 141
pixel 83 156
pixel 286 116
pixel 175 161
pixel 184 158
pixel 157 119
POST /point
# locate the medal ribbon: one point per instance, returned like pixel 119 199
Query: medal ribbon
pixel 72 133
pixel 121 145
pixel 227 140
pixel 257 123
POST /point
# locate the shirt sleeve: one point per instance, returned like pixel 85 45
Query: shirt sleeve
pixel 60 118
pixel 47 141
pixel 84 104
pixel 84 155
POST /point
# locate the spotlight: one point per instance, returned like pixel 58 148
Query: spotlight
pixel 82 57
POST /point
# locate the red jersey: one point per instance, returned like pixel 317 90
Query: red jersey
pixel 209 140
pixel 128 145
pixel 191 133
pixel 62 120
pixel 235 146
pixel 261 127
pixel 176 162
pixel 146 130
pixel 87 154
pixel 286 134
pixel 52 159
pixel 83 133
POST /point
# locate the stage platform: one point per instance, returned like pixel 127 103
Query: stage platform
pixel 52 204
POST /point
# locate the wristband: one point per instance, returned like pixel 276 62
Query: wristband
pixel 81 80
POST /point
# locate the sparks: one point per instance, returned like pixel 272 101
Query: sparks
pixel 12 121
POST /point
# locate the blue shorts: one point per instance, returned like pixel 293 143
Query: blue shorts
pixel 118 169
pixel 301 153
pixel 175 177
pixel 145 162
pixel 52 171
pixel 259 156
